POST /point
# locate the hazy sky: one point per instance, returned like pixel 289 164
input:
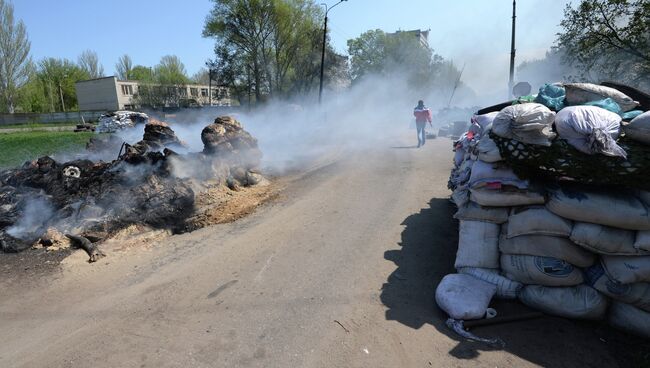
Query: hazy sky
pixel 471 32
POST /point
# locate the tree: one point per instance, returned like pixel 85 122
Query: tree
pixel 89 62
pixel 401 55
pixel 269 47
pixel 58 77
pixel 608 39
pixel 141 73
pixel 14 55
pixel 123 67
pixel 549 69
pixel 201 77
pixel 170 71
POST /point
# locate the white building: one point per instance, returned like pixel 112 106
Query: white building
pixel 111 94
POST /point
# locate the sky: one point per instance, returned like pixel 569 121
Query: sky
pixel 473 33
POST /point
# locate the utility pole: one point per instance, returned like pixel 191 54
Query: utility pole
pixel 322 57
pixel 512 50
pixel 61 94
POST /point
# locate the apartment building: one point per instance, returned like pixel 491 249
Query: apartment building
pixel 110 93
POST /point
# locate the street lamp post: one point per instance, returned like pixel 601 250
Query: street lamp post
pixel 322 58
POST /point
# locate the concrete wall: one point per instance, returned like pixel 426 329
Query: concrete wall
pixel 98 94
pixel 125 95
pixel 55 117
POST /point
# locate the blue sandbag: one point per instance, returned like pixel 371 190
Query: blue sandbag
pixel 607 104
pixel 631 114
pixel 551 96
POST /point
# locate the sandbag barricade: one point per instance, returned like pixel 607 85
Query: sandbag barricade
pixel 571 242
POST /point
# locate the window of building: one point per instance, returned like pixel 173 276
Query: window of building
pixel 182 91
pixel 194 92
pixel 127 90
pixel 215 93
pixel 204 92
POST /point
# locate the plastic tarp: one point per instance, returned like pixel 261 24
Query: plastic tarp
pixel 551 96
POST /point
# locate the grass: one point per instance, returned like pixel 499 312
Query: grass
pixel 18 147
pixel 39 125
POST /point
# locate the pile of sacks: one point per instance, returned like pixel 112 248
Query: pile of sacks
pixel 562 247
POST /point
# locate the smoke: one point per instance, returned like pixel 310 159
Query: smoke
pixel 35 214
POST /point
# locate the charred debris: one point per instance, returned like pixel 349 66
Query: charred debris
pixel 149 183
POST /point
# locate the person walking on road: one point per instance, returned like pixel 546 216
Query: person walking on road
pixel 422 116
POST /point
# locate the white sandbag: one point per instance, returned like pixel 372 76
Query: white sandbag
pixel 637 294
pixel 536 220
pixel 604 239
pixel 528 123
pixel 505 197
pixel 580 301
pixel 639 128
pixel 459 156
pixel 535 270
pixel 460 196
pixel 642 241
pixel 611 209
pixel 488 150
pixel 547 246
pixel 475 212
pixel 627 269
pixel 484 173
pixel 590 129
pixel 478 245
pixel 629 318
pixel 644 196
pixel 463 296
pixel 484 120
pixel 506 288
pixel 581 93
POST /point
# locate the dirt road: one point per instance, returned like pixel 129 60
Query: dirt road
pixel 340 271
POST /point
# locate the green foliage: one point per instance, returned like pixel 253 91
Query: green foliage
pixel 89 63
pixel 608 39
pixel 58 78
pixel 14 56
pixel 141 73
pixel 19 147
pixel 401 55
pixel 170 71
pixel 271 47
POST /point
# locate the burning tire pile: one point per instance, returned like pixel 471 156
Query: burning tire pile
pixel 149 183
pixel 554 207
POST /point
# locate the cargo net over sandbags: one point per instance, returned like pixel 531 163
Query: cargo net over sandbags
pixel 553 207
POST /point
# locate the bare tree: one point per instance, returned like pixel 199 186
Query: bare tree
pixel 89 62
pixel 14 54
pixel 124 67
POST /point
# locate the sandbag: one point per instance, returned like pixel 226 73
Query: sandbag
pixel 639 128
pixel 478 245
pixel 590 129
pixel 484 173
pixel 463 296
pixel 536 220
pixel 476 212
pixel 609 209
pixel 528 122
pixel 487 150
pixel 506 288
pixel 580 93
pixel 627 269
pixel 505 197
pixel 547 246
pixel 629 318
pixel 551 96
pixel 642 241
pixel 535 270
pixel 484 120
pixel 637 294
pixel 460 196
pixel 607 104
pixel 604 239
pixel 582 301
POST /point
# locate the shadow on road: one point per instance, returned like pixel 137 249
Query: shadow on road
pixel 428 249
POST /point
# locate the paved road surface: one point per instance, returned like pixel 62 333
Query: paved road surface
pixel 338 272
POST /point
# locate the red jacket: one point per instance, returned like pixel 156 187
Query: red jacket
pixel 422 115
